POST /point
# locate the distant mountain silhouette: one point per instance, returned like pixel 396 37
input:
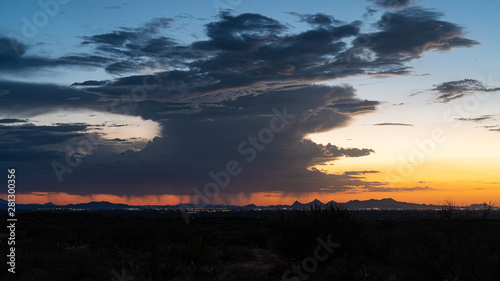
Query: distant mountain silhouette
pixel 386 204
pixel 103 205
pixel 100 205
pixel 382 204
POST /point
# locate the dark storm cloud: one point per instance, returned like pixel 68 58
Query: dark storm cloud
pixel 90 83
pixel 117 38
pixel 213 96
pixel 393 124
pixel 317 19
pixel 28 135
pixel 128 35
pixel 111 49
pixel 251 48
pixel 392 4
pixel 334 151
pixel 13 58
pixel 356 106
pixel 133 49
pixel 237 33
pixel 412 31
pixel 10 49
pixel 32 99
pixel 23 147
pixel 192 147
pixel 448 91
pixel 18 157
pixel 242 51
pixel 10 120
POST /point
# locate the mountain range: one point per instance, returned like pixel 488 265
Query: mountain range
pixel 382 204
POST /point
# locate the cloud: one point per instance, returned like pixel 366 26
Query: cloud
pixel 356 173
pixel 16 137
pixel 333 150
pixel 132 49
pixel 23 146
pixel 90 83
pixel 477 119
pixel 410 32
pixel 251 48
pixel 127 35
pixel 317 19
pixel 393 124
pixel 13 58
pixel 32 99
pixel 12 120
pixel 356 106
pixel 247 49
pixel 115 49
pixel 448 91
pixel 400 189
pixel 183 158
pixel 492 128
pixel 392 4
pixel 214 98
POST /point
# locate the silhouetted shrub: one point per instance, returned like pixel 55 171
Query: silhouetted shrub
pixel 298 230
pixel 451 244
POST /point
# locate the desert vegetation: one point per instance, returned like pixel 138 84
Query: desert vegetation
pixel 449 244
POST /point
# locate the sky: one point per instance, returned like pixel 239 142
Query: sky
pixel 239 102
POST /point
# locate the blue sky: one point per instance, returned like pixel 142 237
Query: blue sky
pixel 360 107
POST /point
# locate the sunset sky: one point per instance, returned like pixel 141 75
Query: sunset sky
pixel 239 101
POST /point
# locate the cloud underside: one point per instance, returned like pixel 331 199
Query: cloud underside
pixel 212 97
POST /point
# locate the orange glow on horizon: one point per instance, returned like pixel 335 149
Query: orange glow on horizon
pixel 437 197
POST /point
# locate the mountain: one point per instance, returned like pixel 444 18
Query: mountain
pixel 382 204
pixel 103 205
pixel 298 205
pixel 386 204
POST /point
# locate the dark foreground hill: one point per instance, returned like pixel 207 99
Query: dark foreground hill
pixel 317 244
